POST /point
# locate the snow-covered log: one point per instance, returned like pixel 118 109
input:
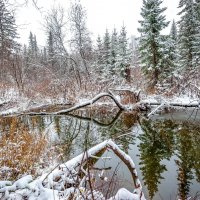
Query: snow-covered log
pixel 84 104
pixel 92 101
pixel 172 103
pixel 61 182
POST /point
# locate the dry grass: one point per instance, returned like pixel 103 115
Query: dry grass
pixel 20 151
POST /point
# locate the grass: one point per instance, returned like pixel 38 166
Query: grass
pixel 20 151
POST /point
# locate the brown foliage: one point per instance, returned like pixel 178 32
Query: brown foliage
pixel 20 150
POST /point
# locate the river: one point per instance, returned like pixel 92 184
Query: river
pixel 164 148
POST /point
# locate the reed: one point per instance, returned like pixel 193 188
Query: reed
pixel 20 151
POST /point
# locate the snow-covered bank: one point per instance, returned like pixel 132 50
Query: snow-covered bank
pixel 61 183
pixel 20 105
pixel 180 101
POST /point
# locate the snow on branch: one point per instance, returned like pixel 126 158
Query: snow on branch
pixel 84 104
pixel 61 183
pixel 92 101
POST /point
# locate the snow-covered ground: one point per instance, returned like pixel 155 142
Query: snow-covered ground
pixel 12 103
pixel 54 184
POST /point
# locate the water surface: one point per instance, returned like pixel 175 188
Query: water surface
pixel 165 148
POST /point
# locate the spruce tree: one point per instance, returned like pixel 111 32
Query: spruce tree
pixel 114 50
pixel 188 37
pixel 197 35
pixel 31 45
pixel 134 51
pixel 151 45
pixel 171 55
pixel 106 53
pixel 173 52
pixel 35 47
pixel 44 56
pixel 99 52
pixel 124 57
pixel 8 34
pixel 197 8
pixel 173 31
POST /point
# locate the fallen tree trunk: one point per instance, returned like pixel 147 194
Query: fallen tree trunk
pixel 172 103
pixel 65 179
pixel 142 105
pixel 92 101
pixel 84 104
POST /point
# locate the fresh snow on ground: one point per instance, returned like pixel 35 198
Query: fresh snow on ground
pixel 52 185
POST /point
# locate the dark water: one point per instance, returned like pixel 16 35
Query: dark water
pixel 165 148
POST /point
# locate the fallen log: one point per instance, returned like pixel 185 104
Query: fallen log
pixel 191 104
pixel 92 101
pixel 62 181
pixel 143 105
pixel 84 104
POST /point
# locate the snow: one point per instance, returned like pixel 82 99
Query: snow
pixel 125 194
pixel 19 184
pixel 52 186
pixel 181 100
pixel 5 183
pixel 23 182
pixel 185 100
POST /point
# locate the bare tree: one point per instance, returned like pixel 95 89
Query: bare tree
pixel 81 41
pixel 63 66
pixel 18 70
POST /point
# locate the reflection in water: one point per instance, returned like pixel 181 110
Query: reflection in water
pixel 188 158
pixel 159 141
pixel 163 139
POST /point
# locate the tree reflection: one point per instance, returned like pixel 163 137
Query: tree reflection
pixel 159 140
pixel 156 145
pixel 163 139
pixel 188 157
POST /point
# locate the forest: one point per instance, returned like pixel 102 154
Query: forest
pixel 66 69
pixel 77 85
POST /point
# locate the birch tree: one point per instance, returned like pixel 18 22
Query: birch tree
pixel 81 42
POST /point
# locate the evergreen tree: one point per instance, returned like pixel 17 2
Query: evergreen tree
pixel 31 44
pixel 114 50
pixel 124 57
pixel 197 36
pixel 188 37
pixel 156 145
pixel 197 8
pixel 151 46
pixel 173 31
pixel 35 47
pixel 44 56
pixel 170 58
pixel 99 51
pixel 106 53
pixel 8 34
pixel 173 45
